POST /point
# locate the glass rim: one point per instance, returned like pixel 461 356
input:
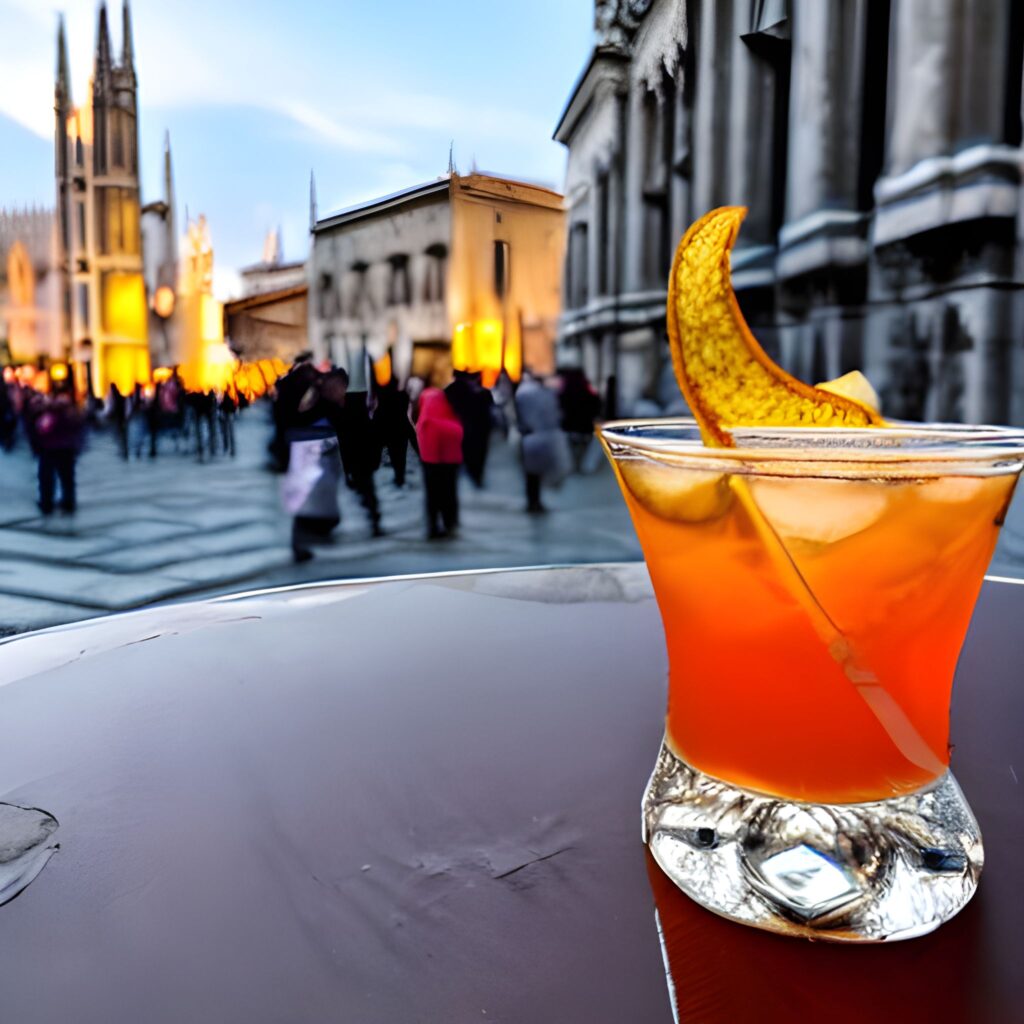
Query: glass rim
pixel 953 446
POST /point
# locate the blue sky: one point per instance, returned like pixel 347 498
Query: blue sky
pixel 257 92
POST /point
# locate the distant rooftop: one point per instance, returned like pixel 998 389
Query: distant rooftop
pixel 374 206
pixel 262 268
pixel 476 181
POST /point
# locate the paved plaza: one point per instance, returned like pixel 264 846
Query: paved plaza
pixel 171 528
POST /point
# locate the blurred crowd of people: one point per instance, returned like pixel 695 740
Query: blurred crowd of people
pixel 327 429
pixel 55 426
pixel 200 423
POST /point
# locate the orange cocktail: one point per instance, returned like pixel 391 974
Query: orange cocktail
pixel 816 568
pixel 814 599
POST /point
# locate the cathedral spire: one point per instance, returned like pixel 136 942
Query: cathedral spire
pixel 103 60
pixel 312 201
pixel 63 86
pixel 127 50
pixel 171 226
pixel 168 173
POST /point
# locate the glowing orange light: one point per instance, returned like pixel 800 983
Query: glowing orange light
pixel 125 366
pixel 514 355
pixel 10 374
pixel 211 319
pixel 124 305
pixel 161 374
pixel 382 370
pixel 163 301
pixel 59 371
pixel 477 347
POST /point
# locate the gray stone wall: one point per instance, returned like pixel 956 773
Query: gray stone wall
pixel 877 144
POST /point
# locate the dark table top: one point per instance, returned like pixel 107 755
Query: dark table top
pixel 419 800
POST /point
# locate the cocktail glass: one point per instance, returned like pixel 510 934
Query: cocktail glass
pixel 815 587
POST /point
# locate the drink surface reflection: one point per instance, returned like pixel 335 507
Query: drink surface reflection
pixel 717 973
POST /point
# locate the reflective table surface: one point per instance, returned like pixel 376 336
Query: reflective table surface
pixel 419 800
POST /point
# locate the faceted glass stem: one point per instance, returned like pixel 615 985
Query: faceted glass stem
pixel 865 872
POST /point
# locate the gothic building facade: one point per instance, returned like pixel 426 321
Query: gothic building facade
pixel 877 144
pixel 104 308
pixel 30 290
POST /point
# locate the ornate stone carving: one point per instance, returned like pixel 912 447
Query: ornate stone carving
pixel 615 21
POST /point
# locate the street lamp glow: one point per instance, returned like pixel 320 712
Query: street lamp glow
pixel 163 301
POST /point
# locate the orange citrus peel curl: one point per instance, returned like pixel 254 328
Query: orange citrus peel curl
pixel 725 376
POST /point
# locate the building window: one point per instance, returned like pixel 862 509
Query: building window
pixel 83 303
pixel 361 302
pixel 99 147
pixel 117 221
pixel 399 292
pixel 122 140
pixel 79 154
pixel 433 280
pixel 117 139
pixel 327 300
pixel 604 248
pixel 80 223
pixel 577 271
pixel 659 139
pixel 502 268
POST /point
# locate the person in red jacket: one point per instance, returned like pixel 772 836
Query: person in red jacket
pixel 439 432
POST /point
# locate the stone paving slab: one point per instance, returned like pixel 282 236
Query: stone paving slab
pixel 84 587
pixel 147 531
pixel 28 543
pixel 241 566
pixel 18 614
pixel 193 545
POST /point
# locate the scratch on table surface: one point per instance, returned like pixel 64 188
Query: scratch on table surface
pixel 1014 775
pixel 534 860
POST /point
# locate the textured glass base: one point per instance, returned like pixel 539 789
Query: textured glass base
pixel 867 872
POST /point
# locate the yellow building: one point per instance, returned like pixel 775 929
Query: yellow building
pixel 204 359
pixel 465 271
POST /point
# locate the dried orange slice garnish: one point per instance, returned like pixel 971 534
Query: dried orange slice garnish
pixel 725 376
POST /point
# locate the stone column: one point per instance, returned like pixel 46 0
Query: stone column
pixel 922 88
pixel 711 103
pixel 750 127
pixel 633 184
pixel 825 105
pixel 948 68
pixel 681 170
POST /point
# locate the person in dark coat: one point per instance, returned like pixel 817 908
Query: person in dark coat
pixel 360 454
pixel 581 405
pixel 289 391
pixel 441 439
pixel 314 442
pixel 139 406
pixel 8 418
pixel 474 405
pixel 226 409
pixel 117 414
pixel 394 428
pixel 170 404
pixel 56 431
